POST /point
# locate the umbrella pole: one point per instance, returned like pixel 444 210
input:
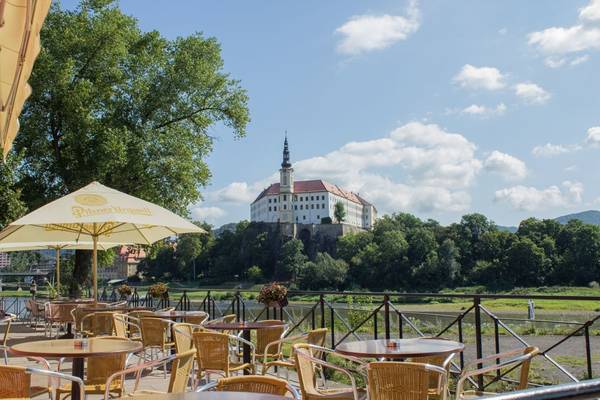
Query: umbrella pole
pixel 58 271
pixel 95 267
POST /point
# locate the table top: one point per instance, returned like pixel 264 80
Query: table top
pixel 417 347
pixel 209 396
pixel 179 314
pixel 117 308
pixel 240 326
pixel 66 348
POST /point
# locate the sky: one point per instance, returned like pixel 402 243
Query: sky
pixel 437 108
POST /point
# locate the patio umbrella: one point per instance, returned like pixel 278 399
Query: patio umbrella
pixel 11 247
pixel 97 214
pixel 20 24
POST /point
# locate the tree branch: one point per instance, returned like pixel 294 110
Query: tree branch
pixel 187 116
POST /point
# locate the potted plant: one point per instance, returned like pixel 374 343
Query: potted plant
pixel 158 290
pixel 125 291
pixel 273 295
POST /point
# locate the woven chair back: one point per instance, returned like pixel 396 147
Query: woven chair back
pixel 182 336
pixel 120 325
pixel 253 384
pixel 14 382
pixel 306 371
pixel 102 323
pixel 268 335
pixel 398 381
pixel 180 371
pixel 99 368
pixel 196 319
pixel 139 314
pixel 212 349
pixel 154 332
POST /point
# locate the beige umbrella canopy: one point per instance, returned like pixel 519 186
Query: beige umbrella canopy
pixel 97 214
pixel 20 24
pixel 57 247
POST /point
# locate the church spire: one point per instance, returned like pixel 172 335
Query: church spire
pixel 286 154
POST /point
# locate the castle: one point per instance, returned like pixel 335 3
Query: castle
pixel 308 202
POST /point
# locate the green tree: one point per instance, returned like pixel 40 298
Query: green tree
pixel 339 212
pixel 291 259
pixel 255 274
pixel 11 205
pixel 324 273
pixel 125 107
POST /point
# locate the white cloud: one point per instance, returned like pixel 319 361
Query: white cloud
pixel 208 214
pixel 364 33
pixel 503 31
pixel 555 62
pixel 528 198
pixel 579 60
pixel 560 40
pixel 593 136
pixel 532 93
pixel 483 111
pixel 505 165
pixel 549 149
pixel 591 12
pixel 472 77
pixel 235 192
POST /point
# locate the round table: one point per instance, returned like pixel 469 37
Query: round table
pixel 245 327
pixel 176 314
pixel 66 348
pixel 405 348
pixel 209 396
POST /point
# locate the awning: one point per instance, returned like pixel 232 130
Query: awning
pixel 20 24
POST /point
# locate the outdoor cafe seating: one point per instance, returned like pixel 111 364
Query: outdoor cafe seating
pixel 141 353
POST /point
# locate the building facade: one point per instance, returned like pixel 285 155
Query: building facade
pixel 124 265
pixel 308 202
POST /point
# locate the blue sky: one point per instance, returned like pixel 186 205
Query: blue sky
pixel 438 108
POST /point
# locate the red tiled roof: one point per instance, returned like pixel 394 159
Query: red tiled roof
pixel 312 186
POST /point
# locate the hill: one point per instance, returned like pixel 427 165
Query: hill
pixel 588 217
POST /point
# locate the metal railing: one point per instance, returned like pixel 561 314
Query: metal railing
pixel 384 316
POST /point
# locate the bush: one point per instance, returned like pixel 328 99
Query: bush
pixel 326 220
pixel 594 285
pixel 255 274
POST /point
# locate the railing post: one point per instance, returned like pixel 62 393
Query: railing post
pixel 386 315
pixel 375 331
pixel 313 323
pixel 497 343
pixel 332 316
pixel 401 326
pixel 322 301
pixel 460 340
pixel 478 342
pixel 588 353
pixel 237 304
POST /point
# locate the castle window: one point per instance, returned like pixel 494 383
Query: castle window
pixel 318 217
pixel 269 208
pixel 284 197
pixel 269 200
pixel 295 198
pixel 275 208
pixel 312 206
pixel 301 206
pixel 295 207
pixel 275 200
pixel 323 197
pixel 285 206
pixel 304 217
pixel 317 206
pixel 323 206
pixel 296 219
pixel 312 197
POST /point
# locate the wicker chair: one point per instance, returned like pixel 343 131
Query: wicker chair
pixel 101 323
pixel 179 379
pixel 252 384
pixel 7 321
pixel 439 361
pixel 493 363
pixel 308 360
pixel 135 316
pixel 36 312
pixel 404 380
pixel 213 354
pixel 98 369
pixel 155 337
pixel 285 360
pixel 83 327
pixel 196 319
pixel 52 318
pixel 264 337
pixel 226 319
pixel 124 325
pixel 15 382
pixel 183 335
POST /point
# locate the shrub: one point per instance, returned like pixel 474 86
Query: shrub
pixel 255 273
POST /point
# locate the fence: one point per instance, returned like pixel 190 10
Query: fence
pixel 386 316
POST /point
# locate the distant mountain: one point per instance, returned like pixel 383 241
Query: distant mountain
pixel 588 217
pixel 227 227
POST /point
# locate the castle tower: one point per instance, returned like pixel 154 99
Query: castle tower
pixel 286 186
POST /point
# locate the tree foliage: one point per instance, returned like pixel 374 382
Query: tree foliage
pixel 339 212
pixel 128 108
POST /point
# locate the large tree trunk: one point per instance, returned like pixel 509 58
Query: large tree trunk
pixel 81 272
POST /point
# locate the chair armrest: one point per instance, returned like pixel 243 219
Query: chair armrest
pixel 59 376
pixel 246 342
pixel 279 342
pixel 138 369
pixel 207 387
